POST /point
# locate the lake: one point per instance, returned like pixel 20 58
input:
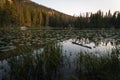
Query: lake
pixel 33 54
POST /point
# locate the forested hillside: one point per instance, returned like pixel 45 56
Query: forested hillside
pixel 28 13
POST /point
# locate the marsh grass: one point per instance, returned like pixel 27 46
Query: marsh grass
pixel 92 67
pixel 40 66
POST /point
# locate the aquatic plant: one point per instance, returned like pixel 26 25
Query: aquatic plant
pixel 38 66
pixel 93 67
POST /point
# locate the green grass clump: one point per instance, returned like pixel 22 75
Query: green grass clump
pixel 93 67
pixel 43 65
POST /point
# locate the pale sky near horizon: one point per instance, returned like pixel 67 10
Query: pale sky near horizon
pixel 75 7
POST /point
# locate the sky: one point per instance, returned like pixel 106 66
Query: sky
pixel 75 7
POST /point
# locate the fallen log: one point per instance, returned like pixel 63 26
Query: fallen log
pixel 82 45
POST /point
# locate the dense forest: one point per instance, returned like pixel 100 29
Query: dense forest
pixel 28 13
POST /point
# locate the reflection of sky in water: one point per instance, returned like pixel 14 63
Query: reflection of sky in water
pixel 101 48
pixel 38 51
pixel 71 51
pixel 4 70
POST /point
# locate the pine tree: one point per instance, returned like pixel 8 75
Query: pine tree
pixel 27 17
pixel 40 18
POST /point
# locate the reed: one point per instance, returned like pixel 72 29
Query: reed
pixel 93 67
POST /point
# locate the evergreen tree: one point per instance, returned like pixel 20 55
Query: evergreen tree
pixel 27 17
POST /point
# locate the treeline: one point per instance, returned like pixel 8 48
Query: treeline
pixel 28 13
pixel 99 20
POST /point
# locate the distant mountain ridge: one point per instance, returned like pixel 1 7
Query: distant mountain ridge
pixel 42 7
pixel 33 4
